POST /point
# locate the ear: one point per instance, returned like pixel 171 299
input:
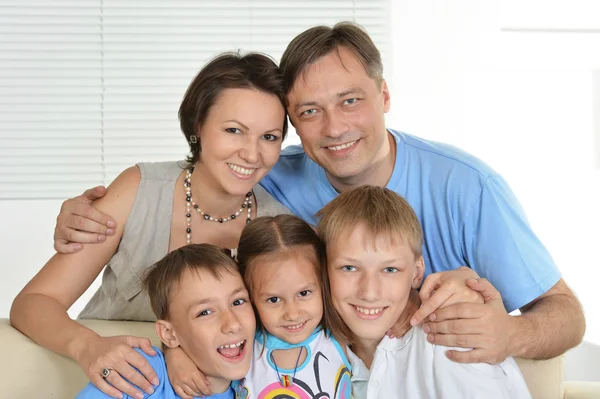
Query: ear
pixel 166 333
pixel 419 271
pixel 387 102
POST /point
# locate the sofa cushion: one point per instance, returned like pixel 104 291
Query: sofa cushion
pixel 35 372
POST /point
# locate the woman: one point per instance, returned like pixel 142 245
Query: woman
pixel 233 117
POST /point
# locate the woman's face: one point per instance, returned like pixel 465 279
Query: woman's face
pixel 241 139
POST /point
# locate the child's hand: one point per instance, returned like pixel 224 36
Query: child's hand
pixel 444 289
pixel 403 323
pixel 186 379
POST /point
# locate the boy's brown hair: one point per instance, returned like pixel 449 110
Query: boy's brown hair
pixel 316 42
pixel 381 211
pixel 281 234
pixel 162 278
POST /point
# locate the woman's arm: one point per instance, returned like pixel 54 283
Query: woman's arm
pixel 40 309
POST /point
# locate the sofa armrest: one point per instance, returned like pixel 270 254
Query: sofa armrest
pixel 582 390
pixel 36 372
pixel 544 377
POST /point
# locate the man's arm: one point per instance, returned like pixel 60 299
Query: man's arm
pixel 548 326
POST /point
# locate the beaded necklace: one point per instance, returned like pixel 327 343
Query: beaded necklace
pixel 187 185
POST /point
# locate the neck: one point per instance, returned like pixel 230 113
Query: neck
pixel 211 197
pixel 218 385
pixel 376 174
pixel 365 350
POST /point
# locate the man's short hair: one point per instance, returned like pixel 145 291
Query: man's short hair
pixel 316 42
pixel 380 210
pixel 160 280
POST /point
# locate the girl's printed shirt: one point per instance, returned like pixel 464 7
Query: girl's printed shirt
pixel 325 373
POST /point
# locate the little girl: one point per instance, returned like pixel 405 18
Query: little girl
pixel 295 352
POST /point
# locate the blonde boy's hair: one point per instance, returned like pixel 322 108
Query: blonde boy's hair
pixel 381 211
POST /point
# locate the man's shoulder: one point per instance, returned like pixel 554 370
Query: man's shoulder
pixel 443 156
pixel 291 158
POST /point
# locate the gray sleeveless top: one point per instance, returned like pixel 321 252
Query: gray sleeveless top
pixel 145 241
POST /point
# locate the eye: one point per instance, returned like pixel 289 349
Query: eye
pixel 390 270
pixel 205 312
pixel 239 302
pixel 348 268
pixel 273 299
pixel 350 101
pixel 270 137
pixel 304 293
pixel 308 112
pixel 233 130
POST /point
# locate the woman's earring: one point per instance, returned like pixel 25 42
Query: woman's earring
pixel 193 139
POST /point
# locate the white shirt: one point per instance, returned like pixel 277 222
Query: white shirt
pixel 411 367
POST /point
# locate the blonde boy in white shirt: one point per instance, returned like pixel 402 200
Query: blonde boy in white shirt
pixel 373 240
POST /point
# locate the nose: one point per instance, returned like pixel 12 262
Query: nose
pixel 250 151
pixel 336 123
pixel 230 322
pixel 369 288
pixel 291 312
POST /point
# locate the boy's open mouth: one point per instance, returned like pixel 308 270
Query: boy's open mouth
pixel 233 352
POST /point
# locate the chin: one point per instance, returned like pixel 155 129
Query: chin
pixel 237 374
pixel 370 334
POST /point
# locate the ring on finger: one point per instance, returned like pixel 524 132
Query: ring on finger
pixel 105 372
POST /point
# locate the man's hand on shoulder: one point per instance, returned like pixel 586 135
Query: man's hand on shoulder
pixel 486 328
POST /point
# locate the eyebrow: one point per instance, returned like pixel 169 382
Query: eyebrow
pixel 351 91
pixel 247 128
pixel 338 95
pixel 204 301
pixel 239 123
pixel 352 260
pixel 311 286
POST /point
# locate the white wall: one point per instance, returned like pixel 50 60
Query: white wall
pixel 521 101
pixel 494 79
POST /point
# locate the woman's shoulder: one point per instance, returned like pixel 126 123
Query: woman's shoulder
pixel 121 192
pixel 267 204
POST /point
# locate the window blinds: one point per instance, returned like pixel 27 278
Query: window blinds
pixel 90 87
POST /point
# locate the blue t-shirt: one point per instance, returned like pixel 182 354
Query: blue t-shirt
pixel 469 215
pixel 164 390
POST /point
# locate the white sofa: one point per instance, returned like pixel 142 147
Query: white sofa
pixel 30 371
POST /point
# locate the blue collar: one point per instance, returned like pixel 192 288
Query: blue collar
pixel 272 342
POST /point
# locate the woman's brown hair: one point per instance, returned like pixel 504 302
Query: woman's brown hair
pixel 226 71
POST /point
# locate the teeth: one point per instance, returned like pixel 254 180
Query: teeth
pixel 295 327
pixel 341 147
pixel 231 346
pixel 241 170
pixel 368 311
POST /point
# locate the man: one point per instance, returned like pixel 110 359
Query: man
pixel 337 99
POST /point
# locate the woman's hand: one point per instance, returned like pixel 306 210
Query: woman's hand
pixel 117 355
pixel 186 379
pixel 444 289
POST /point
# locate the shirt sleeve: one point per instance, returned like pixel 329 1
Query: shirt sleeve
pixel 501 246
pixel 158 364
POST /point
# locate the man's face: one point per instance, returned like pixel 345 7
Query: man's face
pixel 214 323
pixel 338 112
pixel 370 279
